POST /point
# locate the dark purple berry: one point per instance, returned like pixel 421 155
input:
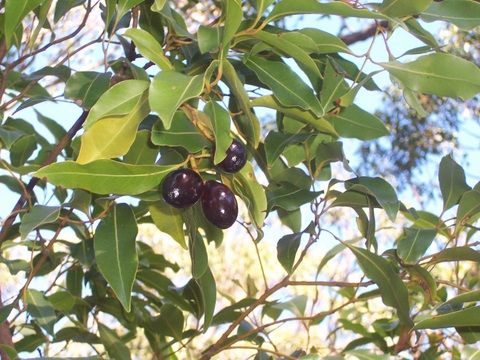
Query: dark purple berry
pixel 182 188
pixel 235 159
pixel 219 204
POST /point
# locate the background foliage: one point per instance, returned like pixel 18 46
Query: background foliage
pixel 325 261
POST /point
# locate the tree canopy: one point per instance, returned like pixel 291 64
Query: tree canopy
pixel 224 127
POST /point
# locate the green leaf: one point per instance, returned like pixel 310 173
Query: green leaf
pixel 15 11
pixel 62 72
pixel 113 344
pixel 105 176
pixel 413 244
pixel 287 248
pixel 295 7
pixel 291 49
pixel 116 252
pixel 112 137
pixel 87 87
pixel 198 251
pixel 401 8
pixel 252 193
pixel 325 43
pixel 393 291
pixel 463 13
pixel 168 220
pixel 120 99
pixel 208 38
pixel 62 301
pixel 381 190
pixel 286 85
pixel 63 7
pixel 470 296
pixel 306 117
pixel 247 124
pixel 465 317
pixel 233 13
pixel 53 126
pixel 291 219
pixel 333 87
pixel 8 136
pixel 142 152
pixel 438 74
pixel 124 5
pixel 276 142
pixel 169 90
pixel 171 321
pixel 220 119
pixel 149 47
pixel 22 149
pixel 354 122
pixel 452 181
pixel 459 253
pixel 208 290
pixel 38 216
pixel 468 209
pixel 41 309
pixel 290 197
pixel 181 133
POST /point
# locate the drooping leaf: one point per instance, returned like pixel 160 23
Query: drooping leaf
pixel 393 291
pixel 220 120
pixel 113 344
pixel 168 220
pixel 401 8
pixel 470 296
pixel 116 252
pixel 290 197
pixel 439 74
pixel 381 190
pixel 208 290
pixel 87 87
pixel 413 244
pixel 463 13
pixel 354 122
pixel 170 321
pixel 36 217
pixel 22 149
pixel 169 90
pixel 120 99
pixel 41 309
pixel 276 142
pixel 247 123
pixel 252 193
pixel 105 176
pixel 287 248
pixel 149 47
pixel 451 177
pixel 286 85
pixel 465 317
pixel 112 137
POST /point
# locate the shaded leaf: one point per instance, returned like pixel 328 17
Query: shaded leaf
pixel 168 220
pixel 38 216
pixel 41 309
pixel 287 248
pixel 113 344
pixel 220 120
pixel 465 317
pixel 413 244
pixel 452 181
pixel 87 87
pixel 149 47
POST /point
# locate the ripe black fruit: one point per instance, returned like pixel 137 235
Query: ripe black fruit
pixel 235 159
pixel 219 204
pixel 182 188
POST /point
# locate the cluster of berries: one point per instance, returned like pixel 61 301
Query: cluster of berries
pixel 184 187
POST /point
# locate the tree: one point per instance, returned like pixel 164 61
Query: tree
pixel 169 86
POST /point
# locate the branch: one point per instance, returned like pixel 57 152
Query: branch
pixel 366 33
pixel 5 334
pixel 33 182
